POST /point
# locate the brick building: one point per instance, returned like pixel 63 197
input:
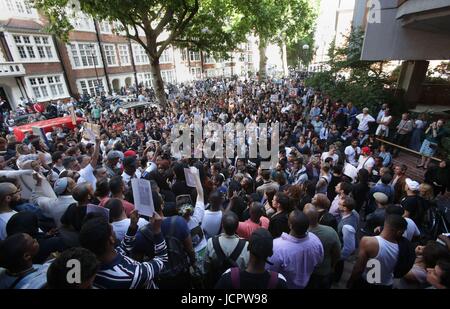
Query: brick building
pixel 97 57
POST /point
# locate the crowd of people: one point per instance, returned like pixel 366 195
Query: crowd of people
pixel 335 196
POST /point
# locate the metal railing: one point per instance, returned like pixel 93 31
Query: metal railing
pixel 404 148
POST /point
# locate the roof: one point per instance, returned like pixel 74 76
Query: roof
pixel 21 24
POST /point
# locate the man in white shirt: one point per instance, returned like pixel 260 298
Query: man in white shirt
pixel 8 194
pixel 88 165
pixel 365 160
pixel 118 217
pixel 330 154
pixel 351 152
pixel 364 119
pixel 54 207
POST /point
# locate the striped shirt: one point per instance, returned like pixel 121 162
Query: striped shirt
pixel 126 273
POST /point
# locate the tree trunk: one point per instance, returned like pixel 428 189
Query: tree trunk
pixel 158 83
pixel 262 59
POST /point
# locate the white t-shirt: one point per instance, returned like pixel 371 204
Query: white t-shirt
pixel 326 155
pixel 385 119
pixel 87 175
pixel 365 162
pixel 212 222
pixel 121 227
pixel 364 122
pixel 350 152
pixel 4 218
pixel 411 229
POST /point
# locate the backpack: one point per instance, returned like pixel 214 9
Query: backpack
pixel 236 280
pixel 406 258
pixel 219 265
pixel 178 261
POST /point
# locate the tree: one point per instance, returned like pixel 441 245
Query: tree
pixel 295 52
pixel 209 25
pixel 276 21
pixel 352 79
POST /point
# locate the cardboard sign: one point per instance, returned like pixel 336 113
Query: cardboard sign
pixel 91 131
pixel 142 195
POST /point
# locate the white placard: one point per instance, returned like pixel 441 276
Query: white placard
pixel 91 208
pixel 142 195
pixel 190 177
pixel 274 98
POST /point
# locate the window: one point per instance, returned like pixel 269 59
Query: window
pixel 33 47
pixel 194 56
pixel 19 7
pixel 92 87
pixel 140 55
pixel 196 72
pixel 166 56
pixel 82 22
pixel 84 55
pixel 47 87
pixel 208 58
pixel 184 55
pixel 168 76
pixel 145 79
pixel 44 47
pixel 124 54
pixel 110 54
pixel 105 27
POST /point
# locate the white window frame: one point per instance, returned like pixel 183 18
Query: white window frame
pixel 194 56
pixel 28 47
pixel 146 79
pixel 105 27
pixel 20 8
pixel 140 55
pixel 168 76
pixel 208 59
pixel 90 85
pixel 82 57
pixel 82 22
pixel 47 87
pixel 124 54
pixel 110 55
pixel 196 72
pixel 166 56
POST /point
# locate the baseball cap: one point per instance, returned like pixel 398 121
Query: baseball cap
pixel 261 244
pixel 129 153
pixel 114 154
pixel 365 150
pixel 61 185
pixel 412 185
pixel 380 197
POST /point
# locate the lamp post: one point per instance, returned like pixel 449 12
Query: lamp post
pixel 91 48
pixel 305 49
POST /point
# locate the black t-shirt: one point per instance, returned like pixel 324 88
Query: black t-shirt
pixel 279 224
pixel 415 206
pixel 250 281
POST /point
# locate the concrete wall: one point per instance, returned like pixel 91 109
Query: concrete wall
pixel 389 40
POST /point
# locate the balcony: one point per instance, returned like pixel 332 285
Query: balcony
pixel 11 69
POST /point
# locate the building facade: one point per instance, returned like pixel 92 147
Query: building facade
pixel 97 57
